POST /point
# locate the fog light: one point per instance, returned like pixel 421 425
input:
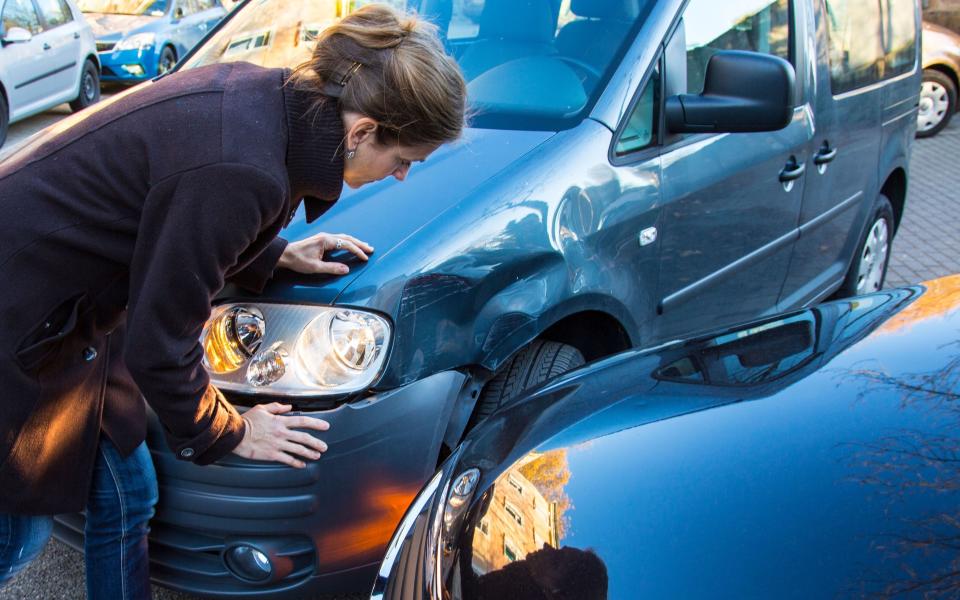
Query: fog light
pixel 248 563
pixel 135 70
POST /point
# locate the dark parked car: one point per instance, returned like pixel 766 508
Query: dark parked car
pixel 808 455
pixel 941 79
pixel 629 178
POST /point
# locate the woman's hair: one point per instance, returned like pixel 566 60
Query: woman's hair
pixel 392 68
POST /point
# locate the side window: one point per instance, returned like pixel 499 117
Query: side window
pixel 20 13
pixel 55 12
pixel 207 4
pixel 465 23
pixel 900 37
pixel 754 25
pixel 856 51
pixel 641 129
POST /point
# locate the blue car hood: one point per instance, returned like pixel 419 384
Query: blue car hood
pixel 385 213
pixel 116 26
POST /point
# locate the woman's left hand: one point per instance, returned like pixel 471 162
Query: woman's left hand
pixel 306 256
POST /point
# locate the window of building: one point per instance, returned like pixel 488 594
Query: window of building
pixel 508 551
pixel 752 25
pixel 514 513
pixel 856 50
pixel 485 528
pixel 515 483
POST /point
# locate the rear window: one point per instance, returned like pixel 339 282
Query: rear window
pixel 537 64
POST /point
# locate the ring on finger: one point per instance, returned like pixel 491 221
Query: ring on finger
pixel 339 243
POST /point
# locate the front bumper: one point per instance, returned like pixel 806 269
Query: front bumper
pixel 113 65
pixel 331 521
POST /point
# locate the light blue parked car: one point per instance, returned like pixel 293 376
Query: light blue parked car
pixel 140 39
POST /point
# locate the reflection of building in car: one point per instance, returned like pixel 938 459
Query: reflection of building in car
pixel 248 42
pixel 519 520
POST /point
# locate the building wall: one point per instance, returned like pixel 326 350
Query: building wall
pixel 943 12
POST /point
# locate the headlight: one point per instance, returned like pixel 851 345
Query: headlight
pixel 136 42
pixel 294 350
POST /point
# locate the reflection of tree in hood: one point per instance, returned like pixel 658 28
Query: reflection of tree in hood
pixel 911 464
pixel 548 574
pixel 550 473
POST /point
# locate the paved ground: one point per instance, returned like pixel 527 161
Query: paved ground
pixel 927 246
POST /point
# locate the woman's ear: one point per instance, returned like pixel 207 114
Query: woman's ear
pixel 363 129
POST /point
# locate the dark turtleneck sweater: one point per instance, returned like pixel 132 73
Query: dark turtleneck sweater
pixel 120 226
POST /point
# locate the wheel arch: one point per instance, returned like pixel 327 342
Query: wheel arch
pixel 895 189
pixel 594 333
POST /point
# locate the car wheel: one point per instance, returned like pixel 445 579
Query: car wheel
pixel 4 119
pixel 538 362
pixel 168 58
pixel 938 102
pixel 89 88
pixel 869 268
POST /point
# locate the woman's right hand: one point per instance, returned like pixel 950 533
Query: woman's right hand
pixel 271 436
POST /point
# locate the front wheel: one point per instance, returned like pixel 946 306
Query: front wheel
pixel 938 102
pixel 869 268
pixel 89 88
pixel 539 362
pixel 168 58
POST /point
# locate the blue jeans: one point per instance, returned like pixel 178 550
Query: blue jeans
pixel 122 496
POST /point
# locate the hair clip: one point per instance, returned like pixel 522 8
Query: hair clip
pixel 334 87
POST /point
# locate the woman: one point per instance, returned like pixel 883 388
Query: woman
pixel 119 231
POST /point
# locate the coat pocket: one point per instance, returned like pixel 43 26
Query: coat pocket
pixel 45 337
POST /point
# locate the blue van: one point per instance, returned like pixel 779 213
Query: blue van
pixel 636 171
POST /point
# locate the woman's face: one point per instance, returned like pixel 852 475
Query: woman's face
pixel 373 161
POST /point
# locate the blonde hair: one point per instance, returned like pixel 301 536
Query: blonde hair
pixel 392 68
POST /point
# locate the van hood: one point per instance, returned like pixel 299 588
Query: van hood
pixel 386 213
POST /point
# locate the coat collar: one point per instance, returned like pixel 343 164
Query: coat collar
pixel 314 158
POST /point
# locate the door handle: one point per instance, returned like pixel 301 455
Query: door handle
pixel 825 155
pixel 792 171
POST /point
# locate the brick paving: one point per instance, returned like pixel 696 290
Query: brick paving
pixel 928 242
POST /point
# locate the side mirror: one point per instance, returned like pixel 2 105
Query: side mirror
pixel 742 92
pixel 17 35
pixel 178 13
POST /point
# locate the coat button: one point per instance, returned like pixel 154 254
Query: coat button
pixel 89 353
pixel 186 453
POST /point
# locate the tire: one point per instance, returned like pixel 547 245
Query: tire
pixel 869 267
pixel 168 59
pixel 538 362
pixel 938 102
pixel 89 92
pixel 4 119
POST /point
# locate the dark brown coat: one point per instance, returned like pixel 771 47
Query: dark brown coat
pixel 134 214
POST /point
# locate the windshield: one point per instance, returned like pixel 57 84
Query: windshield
pixel 537 64
pixel 153 8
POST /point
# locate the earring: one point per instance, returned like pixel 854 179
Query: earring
pixel 351 153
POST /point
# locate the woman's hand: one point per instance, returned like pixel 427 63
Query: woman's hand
pixel 306 256
pixel 271 436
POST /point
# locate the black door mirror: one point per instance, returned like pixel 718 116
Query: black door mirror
pixel 742 91
pixel 178 13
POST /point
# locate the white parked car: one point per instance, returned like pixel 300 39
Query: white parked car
pixel 47 56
